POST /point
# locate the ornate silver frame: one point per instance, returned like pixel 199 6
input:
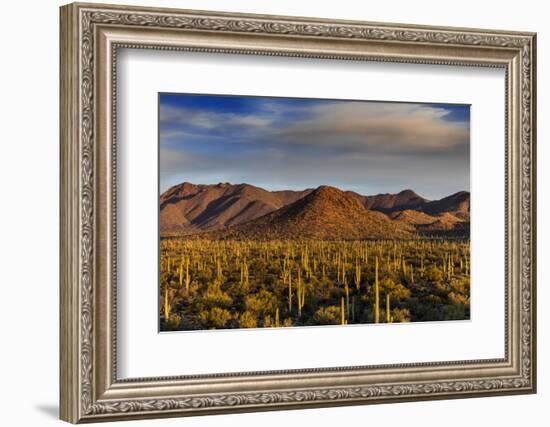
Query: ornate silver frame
pixel 90 36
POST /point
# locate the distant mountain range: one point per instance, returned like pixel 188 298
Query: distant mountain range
pixel 244 211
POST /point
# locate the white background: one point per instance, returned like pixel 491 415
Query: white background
pixel 141 349
pixel 29 170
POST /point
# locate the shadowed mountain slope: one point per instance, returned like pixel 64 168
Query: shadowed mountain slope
pixel 457 204
pixel 325 212
pixel 406 199
pixel 190 208
pixel 413 217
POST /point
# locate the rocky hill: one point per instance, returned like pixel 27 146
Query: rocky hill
pixel 246 211
pixel 326 213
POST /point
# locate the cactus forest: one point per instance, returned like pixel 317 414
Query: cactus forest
pixel 225 284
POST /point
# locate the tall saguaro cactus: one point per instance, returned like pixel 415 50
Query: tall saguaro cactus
pixel 166 305
pixel 357 274
pixel 187 276
pixel 376 293
pixel 219 270
pixel 388 315
pixel 289 290
pixel 346 287
pixel 244 274
pixel 300 292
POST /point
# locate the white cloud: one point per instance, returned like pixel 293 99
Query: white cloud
pixel 170 115
pixel 380 127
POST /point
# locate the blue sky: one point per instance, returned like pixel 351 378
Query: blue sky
pixel 291 143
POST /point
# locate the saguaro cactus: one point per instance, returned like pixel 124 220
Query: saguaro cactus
pixel 388 315
pixel 166 305
pixel 300 292
pixel 357 274
pixel 338 262
pixel 289 290
pixel 244 273
pixel 219 270
pixel 347 296
pixel 376 293
pixel 187 276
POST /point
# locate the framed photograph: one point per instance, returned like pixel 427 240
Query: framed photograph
pixel 266 212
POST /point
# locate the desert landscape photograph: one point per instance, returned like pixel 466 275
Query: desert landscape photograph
pixel 291 212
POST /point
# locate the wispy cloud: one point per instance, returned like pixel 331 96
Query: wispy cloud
pixel 368 127
pixel 174 116
pixel 294 143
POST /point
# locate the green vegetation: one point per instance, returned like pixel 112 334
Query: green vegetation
pixel 223 284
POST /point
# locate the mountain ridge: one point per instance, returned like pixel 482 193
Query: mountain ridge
pixel 324 212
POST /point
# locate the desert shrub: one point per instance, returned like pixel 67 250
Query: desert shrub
pixel 396 290
pixel 400 315
pixel 216 318
pixel 434 274
pixel 261 303
pixel 247 320
pixel 327 316
pixel 172 324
